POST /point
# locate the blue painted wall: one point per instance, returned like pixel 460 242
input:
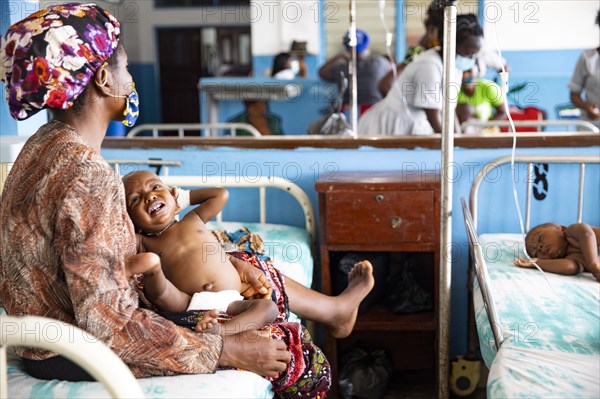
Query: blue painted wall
pixel 305 166
pixel 547 74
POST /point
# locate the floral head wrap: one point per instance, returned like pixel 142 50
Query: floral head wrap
pixel 47 59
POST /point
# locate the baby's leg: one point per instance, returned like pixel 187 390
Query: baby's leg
pixel 251 314
pixel 338 313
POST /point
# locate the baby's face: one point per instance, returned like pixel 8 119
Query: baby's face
pixel 546 242
pixel 150 203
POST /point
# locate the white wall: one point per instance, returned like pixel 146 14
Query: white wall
pixel 275 24
pixel 542 24
pixel 139 19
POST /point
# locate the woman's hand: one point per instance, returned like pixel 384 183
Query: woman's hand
pixel 255 352
pixel 254 282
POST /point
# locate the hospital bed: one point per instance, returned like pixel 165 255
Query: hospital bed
pixel 206 129
pixel 539 334
pixel 539 125
pixel 290 248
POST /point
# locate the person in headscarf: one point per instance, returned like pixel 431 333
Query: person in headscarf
pixel 67 240
pixel 369 70
pixel 66 236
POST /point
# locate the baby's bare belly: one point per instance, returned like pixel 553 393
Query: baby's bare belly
pixel 203 272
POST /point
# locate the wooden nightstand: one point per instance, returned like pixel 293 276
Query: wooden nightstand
pixel 384 212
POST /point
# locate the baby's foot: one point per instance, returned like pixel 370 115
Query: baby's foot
pixel 208 322
pixel 360 283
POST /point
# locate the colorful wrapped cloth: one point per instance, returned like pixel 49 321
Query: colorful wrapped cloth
pixel 49 58
pixel 308 374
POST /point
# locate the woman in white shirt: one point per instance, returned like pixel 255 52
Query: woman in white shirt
pixel 586 79
pixel 414 104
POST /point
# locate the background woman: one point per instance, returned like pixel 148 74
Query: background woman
pixel 414 104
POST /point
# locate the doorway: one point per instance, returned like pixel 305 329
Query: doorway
pixel 187 54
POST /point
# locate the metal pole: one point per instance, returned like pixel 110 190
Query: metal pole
pixel 449 52
pixel 352 70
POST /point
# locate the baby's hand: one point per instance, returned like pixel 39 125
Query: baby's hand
pixel 522 262
pixel 208 322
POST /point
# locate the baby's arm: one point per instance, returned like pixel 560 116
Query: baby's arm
pixel 250 314
pixel 160 291
pixel 564 266
pixel 211 200
pixel 588 244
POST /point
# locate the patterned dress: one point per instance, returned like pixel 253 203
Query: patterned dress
pixel 65 232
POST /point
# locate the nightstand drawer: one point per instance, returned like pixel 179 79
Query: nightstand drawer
pixel 380 217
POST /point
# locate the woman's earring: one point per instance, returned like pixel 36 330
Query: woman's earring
pixel 103 83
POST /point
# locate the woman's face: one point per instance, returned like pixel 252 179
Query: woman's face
pixel 122 83
pixel 469 47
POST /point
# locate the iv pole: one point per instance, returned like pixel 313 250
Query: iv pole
pixel 445 267
pixel 352 70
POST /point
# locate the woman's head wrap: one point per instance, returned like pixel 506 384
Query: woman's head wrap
pixel 48 59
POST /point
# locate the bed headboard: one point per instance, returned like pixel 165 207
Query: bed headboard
pixel 530 160
pixel 255 182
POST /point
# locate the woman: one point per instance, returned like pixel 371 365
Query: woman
pixel 65 232
pixel 479 100
pixel 414 104
pixel 584 86
pixel 435 18
pixel 66 236
pixel 286 66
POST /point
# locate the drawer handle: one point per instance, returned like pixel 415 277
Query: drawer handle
pixel 379 198
pixel 395 222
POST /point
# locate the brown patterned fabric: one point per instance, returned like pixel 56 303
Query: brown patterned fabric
pixel 65 231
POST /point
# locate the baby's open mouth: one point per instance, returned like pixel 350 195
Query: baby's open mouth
pixel 155 207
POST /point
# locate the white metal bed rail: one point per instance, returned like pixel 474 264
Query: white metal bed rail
pixel 539 124
pixel 150 162
pixel 581 160
pixel 69 341
pixel 482 275
pixel 257 182
pixel 206 129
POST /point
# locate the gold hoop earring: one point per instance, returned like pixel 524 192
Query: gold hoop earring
pixel 103 83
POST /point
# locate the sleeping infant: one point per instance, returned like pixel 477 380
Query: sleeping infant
pixel 563 250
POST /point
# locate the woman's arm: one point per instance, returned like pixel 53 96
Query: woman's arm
pixel 500 112
pixel 592 111
pixel 326 71
pixel 434 116
pixel 386 83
